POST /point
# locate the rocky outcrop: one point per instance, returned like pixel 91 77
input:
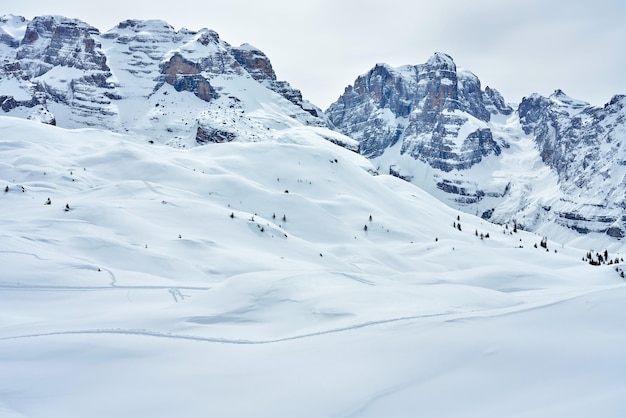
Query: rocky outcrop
pixel 438 114
pixel 206 135
pixel 59 41
pixel 185 75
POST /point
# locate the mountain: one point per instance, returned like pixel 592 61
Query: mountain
pixel 177 87
pixel 554 165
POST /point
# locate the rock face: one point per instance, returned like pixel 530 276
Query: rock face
pixel 185 76
pixel 556 165
pixel 135 77
pixel 586 146
pixel 58 41
pixel 434 112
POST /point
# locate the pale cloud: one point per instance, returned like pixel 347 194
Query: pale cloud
pixel 517 47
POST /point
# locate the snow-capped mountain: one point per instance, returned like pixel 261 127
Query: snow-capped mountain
pixel 555 165
pixel 176 87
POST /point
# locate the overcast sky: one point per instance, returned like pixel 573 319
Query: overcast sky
pixel 320 46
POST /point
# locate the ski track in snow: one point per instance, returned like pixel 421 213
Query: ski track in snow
pixel 25 253
pixel 446 316
pixel 45 288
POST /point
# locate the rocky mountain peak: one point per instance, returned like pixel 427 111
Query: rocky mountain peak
pixel 255 62
pixel 441 61
pixel 424 107
pixel 60 41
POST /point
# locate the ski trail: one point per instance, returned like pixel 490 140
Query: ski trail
pixel 25 253
pixel 446 316
pixel 157 334
pixel 47 288
pixel 177 295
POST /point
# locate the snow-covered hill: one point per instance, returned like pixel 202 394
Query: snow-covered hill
pixel 554 166
pixel 280 278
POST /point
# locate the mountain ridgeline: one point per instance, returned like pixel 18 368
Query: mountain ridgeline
pixel 141 76
pixel 553 165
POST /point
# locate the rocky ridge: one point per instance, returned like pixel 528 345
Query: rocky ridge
pixel 134 78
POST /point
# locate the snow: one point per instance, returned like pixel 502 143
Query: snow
pixel 14 26
pixel 13 87
pixel 147 299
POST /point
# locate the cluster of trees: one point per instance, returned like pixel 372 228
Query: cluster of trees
pixel 481 235
pixel 598 259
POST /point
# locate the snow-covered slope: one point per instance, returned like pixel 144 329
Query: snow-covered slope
pixel 280 278
pixel 555 166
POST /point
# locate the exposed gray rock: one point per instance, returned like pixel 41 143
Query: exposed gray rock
pixel 59 41
pixel 423 106
pixel 585 145
pixel 185 75
pixel 205 135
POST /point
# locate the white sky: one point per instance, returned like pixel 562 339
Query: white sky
pixel 320 46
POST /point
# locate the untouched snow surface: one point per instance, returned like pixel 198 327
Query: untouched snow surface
pixel 239 280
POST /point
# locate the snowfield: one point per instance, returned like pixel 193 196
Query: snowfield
pixel 281 278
